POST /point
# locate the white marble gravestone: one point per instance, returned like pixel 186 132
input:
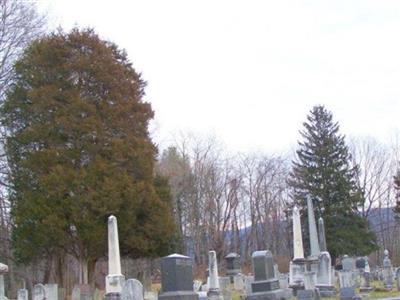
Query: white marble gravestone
pixel 132 290
pixel 310 279
pixel 238 282
pixel 150 295
pixel 51 290
pixel 324 269
pixel 39 292
pixel 213 270
pixel 213 285
pixel 387 270
pixel 114 279
pixel 76 293
pixel 348 263
pixel 346 279
pixel 298 250
pixel 297 266
pixel 22 294
pixel 3 270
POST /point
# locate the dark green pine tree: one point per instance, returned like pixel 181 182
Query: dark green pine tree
pixel 322 171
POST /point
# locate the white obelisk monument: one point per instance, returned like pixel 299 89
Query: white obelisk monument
pixel 114 279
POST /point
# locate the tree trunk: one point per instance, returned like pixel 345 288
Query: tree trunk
pixel 83 271
pixel 91 268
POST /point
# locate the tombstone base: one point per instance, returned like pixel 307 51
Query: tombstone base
pixel 349 293
pixel 232 273
pixel 271 295
pixel 214 295
pixel 308 294
pixel 226 295
pixel 326 291
pixel 114 283
pixel 296 288
pixel 179 295
pixel 202 295
pixel 388 287
pixel 366 289
pixel 113 296
pixel 265 286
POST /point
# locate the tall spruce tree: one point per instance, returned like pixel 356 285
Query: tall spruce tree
pixel 79 150
pixel 322 171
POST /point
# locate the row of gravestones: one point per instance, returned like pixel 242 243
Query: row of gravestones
pixel 265 281
pixel 357 273
pixel 177 280
pixel 132 290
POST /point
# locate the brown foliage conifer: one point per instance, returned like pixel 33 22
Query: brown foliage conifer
pixel 79 150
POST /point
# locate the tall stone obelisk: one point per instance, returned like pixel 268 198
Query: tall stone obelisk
pixel 324 274
pixel 297 265
pixel 214 292
pixel 312 230
pixel 298 251
pixel 114 279
pixel 321 235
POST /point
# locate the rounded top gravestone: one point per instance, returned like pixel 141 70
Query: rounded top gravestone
pixel 3 269
pixel 360 263
pixel 386 253
pixel 386 261
pixel 263 265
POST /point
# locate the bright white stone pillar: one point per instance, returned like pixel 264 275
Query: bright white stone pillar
pixel 298 251
pixel 114 279
pixel 3 270
pixel 213 271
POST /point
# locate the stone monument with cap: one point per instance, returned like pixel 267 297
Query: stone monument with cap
pixel 266 284
pixel 115 279
pixel 177 278
pixel 297 265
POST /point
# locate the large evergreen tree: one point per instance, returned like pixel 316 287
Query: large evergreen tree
pixel 322 170
pixel 79 150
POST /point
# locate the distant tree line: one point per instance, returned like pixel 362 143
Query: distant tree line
pixel 242 202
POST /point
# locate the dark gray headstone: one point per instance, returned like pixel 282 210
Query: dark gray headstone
pixel 398 279
pixel 177 278
pixel 176 273
pixel 233 266
pixel 263 265
pixel 266 284
pixel 360 263
pixel 232 261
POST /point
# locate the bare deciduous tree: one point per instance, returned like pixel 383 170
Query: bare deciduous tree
pixel 20 23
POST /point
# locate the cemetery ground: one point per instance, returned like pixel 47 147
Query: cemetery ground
pixel 312 278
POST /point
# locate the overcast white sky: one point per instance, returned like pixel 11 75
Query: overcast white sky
pixel 250 71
